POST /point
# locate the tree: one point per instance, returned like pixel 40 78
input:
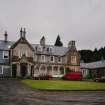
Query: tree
pixel 86 55
pixel 91 56
pixel 58 42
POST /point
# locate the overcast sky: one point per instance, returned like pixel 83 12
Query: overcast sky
pixel 79 20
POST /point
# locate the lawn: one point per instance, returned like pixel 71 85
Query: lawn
pixel 63 85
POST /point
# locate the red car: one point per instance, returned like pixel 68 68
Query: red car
pixel 73 76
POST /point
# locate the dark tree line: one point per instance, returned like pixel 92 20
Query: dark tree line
pixel 91 56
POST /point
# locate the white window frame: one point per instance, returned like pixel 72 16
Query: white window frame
pixel 2 70
pixel 53 59
pixel 60 59
pixel 49 49
pixel 4 54
pixel 72 60
pixel 42 56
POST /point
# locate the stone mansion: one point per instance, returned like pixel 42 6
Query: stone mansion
pixel 23 59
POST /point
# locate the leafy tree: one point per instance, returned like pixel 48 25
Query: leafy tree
pixel 58 42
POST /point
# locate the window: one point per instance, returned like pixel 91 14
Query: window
pixel 43 58
pixel 5 54
pixel 49 49
pixel 52 58
pixel 73 59
pixel 59 59
pixel 40 49
pixel 1 69
pixel 55 70
pixel 61 70
pixel 23 52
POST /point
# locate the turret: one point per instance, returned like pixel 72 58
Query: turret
pixel 42 41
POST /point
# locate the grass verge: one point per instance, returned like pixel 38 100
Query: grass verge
pixel 62 85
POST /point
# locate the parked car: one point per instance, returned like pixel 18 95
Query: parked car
pixel 100 79
pixel 73 76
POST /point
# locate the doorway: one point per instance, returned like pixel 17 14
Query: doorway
pixel 23 69
pixel 14 68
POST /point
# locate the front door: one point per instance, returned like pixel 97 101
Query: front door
pixel 23 69
pixel 14 68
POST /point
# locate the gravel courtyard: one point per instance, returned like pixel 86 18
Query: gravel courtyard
pixel 12 92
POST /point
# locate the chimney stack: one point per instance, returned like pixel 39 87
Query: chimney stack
pixel 5 36
pixel 71 45
pixel 22 32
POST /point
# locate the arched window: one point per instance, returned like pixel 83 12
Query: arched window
pixel 49 67
pixel 55 70
pixel 43 67
pixel 49 70
pixel 36 69
pixel 61 70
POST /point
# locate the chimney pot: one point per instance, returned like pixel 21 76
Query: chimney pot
pixel 5 36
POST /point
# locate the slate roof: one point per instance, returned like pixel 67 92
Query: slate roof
pixel 57 51
pixel 5 45
pixel 93 65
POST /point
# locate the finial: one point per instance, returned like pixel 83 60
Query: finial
pixel 21 32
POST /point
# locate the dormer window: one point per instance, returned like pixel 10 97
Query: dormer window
pixel 5 54
pixel 49 49
pixel 40 49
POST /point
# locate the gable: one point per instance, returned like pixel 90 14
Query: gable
pixel 22 41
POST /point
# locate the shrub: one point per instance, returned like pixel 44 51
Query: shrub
pixel 43 77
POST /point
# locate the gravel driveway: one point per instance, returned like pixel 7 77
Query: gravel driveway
pixel 14 93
